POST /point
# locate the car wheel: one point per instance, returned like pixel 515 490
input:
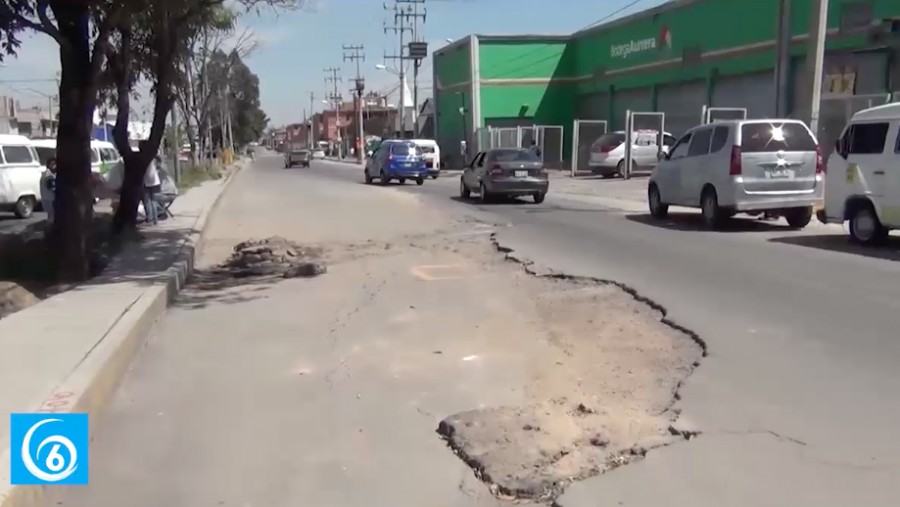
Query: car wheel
pixel 383 179
pixel 420 181
pixel 866 228
pixel 368 177
pixel 539 197
pixel 658 209
pixel 484 194
pixel 434 176
pixel 799 218
pixel 403 181
pixel 621 170
pixel 709 205
pixel 25 206
pixel 464 191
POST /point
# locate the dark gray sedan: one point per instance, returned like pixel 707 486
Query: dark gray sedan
pixel 505 172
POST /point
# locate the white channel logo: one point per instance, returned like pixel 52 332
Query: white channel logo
pixel 55 468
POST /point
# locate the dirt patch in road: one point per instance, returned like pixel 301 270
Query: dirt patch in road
pixel 601 400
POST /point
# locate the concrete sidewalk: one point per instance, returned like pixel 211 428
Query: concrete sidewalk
pixel 67 353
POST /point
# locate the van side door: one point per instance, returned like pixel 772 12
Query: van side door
pixel 693 168
pixel 890 216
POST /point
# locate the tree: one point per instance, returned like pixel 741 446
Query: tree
pixel 154 46
pixel 81 28
pixel 248 122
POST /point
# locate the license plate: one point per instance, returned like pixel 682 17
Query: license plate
pixel 521 174
pixel 780 174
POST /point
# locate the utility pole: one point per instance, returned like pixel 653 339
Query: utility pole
pixel 334 79
pixel 357 54
pixel 412 14
pixel 401 16
pixel 783 58
pixel 815 56
pixel 312 117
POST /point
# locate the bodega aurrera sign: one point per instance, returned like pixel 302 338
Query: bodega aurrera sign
pixel 635 46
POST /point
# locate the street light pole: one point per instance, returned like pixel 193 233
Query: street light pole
pixel 815 56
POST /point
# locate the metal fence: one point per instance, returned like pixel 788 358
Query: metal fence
pixel 584 134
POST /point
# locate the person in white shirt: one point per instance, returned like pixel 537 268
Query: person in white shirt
pixel 151 186
pixel 48 189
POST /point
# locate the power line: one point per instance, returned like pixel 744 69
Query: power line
pixel 406 17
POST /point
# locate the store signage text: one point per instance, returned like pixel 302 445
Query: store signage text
pixel 631 47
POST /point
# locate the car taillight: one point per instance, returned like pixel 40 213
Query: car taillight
pixel 496 170
pixel 820 161
pixel 734 168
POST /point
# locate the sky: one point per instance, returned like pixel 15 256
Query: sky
pixel 295 47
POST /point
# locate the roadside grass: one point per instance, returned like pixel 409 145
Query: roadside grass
pixel 193 175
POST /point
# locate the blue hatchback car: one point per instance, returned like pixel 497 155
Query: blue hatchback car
pixel 396 160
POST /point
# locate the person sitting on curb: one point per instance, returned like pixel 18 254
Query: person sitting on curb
pixel 48 189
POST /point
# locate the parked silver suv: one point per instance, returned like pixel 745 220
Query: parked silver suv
pixel 745 166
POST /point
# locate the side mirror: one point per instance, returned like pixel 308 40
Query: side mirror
pixel 370 153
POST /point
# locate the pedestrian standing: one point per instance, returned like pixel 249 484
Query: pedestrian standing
pixel 152 185
pixel 534 149
pixel 48 189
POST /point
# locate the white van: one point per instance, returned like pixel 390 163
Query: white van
pixel 20 176
pixel 432 155
pixel 862 181
pixel 103 153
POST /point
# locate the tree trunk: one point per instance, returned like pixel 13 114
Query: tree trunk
pixel 74 196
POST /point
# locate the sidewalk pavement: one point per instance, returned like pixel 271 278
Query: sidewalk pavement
pixel 68 353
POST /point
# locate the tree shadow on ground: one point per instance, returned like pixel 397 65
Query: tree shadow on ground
pixel 694 222
pixel 841 243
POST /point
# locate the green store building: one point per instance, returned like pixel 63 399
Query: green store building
pixel 676 58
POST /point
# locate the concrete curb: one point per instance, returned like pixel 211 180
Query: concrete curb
pixel 90 387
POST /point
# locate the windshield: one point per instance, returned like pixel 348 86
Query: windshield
pixel 516 156
pixel 772 137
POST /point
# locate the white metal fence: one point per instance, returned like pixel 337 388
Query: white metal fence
pixel 584 134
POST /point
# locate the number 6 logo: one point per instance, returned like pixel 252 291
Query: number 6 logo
pixel 55 462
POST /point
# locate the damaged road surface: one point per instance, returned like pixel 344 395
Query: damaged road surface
pixel 602 399
pixel 265 385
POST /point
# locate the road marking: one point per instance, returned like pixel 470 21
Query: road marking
pixel 438 272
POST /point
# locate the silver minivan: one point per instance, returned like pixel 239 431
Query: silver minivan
pixel 743 166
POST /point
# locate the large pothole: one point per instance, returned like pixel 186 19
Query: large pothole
pixel 602 400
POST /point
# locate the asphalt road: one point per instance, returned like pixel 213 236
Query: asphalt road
pixel 796 402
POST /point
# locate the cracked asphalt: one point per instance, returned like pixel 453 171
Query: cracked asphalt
pixel 268 395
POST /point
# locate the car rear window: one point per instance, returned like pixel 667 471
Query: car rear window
pixel 771 137
pixel 427 149
pixel 515 156
pixel 405 149
pixel 611 139
pixel 45 153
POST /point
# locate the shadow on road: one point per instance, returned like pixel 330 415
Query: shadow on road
pixel 694 222
pixel 841 243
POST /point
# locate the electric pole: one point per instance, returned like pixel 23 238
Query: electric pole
pixel 312 117
pixel 412 14
pixel 357 54
pixel 334 79
pixel 402 14
pixel 814 60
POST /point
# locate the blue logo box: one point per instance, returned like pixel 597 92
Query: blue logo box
pixel 48 448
